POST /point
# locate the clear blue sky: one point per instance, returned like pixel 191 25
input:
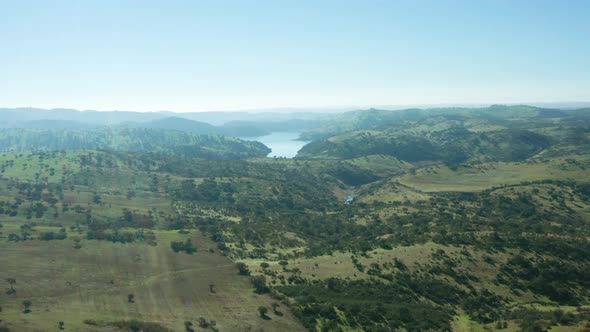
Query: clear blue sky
pixel 210 55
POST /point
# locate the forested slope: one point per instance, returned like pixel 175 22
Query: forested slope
pixel 131 139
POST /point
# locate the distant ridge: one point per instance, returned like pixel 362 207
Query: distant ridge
pixel 181 124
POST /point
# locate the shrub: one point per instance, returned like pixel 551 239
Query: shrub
pixel 243 269
pixel 186 246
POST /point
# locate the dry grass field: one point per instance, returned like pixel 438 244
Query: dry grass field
pixel 472 178
pixel 73 285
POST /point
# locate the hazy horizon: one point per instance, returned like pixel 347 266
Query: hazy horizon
pixel 322 109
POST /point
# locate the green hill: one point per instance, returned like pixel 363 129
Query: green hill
pixel 180 124
pixel 376 118
pixel 131 139
pixel 469 221
pixel 200 128
pixel 449 139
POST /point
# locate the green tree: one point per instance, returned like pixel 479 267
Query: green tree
pixel 243 269
pixel 27 306
pixel 259 283
pixel 275 306
pixel 262 310
pixel 11 282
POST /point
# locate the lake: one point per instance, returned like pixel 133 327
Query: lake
pixel 283 144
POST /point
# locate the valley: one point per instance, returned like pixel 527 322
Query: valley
pixel 462 219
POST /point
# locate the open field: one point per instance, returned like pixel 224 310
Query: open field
pixel 472 178
pixel 72 285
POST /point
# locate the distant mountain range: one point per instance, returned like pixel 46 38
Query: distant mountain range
pixel 314 125
pixel 238 124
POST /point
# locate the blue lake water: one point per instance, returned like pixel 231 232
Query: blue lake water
pixel 283 144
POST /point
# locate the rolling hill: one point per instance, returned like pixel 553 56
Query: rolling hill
pixel 492 134
pixel 473 220
pixel 131 139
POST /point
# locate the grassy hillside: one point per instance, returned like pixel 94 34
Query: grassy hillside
pixel 469 221
pixel 480 176
pixel 91 285
pixel 376 118
pixel 454 136
pixel 199 128
pixel 131 139
pixel 80 231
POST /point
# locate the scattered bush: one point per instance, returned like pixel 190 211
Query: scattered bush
pixel 186 246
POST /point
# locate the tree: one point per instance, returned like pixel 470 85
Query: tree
pixel 11 282
pixel 264 265
pixel 284 264
pixel 131 298
pixel 274 306
pixel 212 288
pixel 77 244
pixel 130 194
pixel 188 326
pixel 262 310
pixel 243 269
pixel 259 283
pixel 186 246
pixel 96 199
pixel 203 323
pixel 60 325
pixel 13 237
pixel 27 304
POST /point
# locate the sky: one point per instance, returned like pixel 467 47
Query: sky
pixel 229 55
